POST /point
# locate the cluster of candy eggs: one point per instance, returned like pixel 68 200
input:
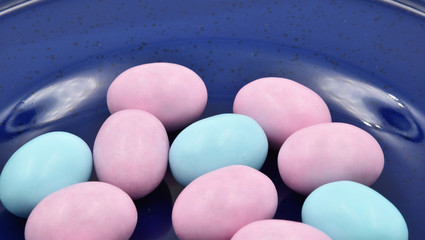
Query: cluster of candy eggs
pixel 217 159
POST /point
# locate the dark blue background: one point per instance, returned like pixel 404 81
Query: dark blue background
pixel 365 58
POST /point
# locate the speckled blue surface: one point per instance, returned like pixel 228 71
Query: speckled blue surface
pixel 365 58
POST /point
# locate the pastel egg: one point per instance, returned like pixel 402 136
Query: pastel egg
pixel 131 152
pixel 89 210
pixel 43 165
pixel 276 229
pixel 329 152
pixel 217 204
pixel 350 211
pixel 214 142
pixel 281 106
pixel 173 93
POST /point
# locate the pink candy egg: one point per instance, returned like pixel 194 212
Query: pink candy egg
pixel 173 93
pixel 329 152
pixel 89 210
pixel 217 204
pixel 273 229
pixel 281 107
pixel 131 152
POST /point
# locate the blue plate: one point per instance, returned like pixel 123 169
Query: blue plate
pixel 365 58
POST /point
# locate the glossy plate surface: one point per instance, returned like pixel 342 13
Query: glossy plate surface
pixel 365 58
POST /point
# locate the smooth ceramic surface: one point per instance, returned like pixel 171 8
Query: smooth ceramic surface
pixel 364 58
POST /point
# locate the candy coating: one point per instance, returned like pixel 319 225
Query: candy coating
pixel 131 152
pixel 350 210
pixel 281 106
pixel 173 93
pixel 217 204
pixel 214 142
pixel 43 165
pixel 277 229
pixel 329 152
pixel 89 210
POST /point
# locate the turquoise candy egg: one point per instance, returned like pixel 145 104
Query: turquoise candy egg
pixel 43 165
pixel 348 210
pixel 215 142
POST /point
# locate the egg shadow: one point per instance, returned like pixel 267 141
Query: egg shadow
pixel 289 202
pixel 154 214
pixel 290 207
pixel 11 226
